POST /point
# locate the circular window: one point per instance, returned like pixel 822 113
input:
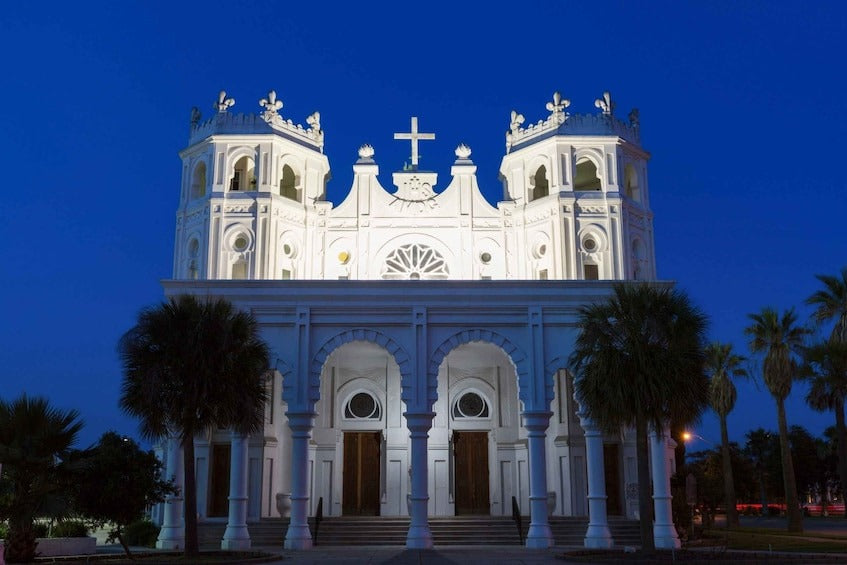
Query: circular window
pixel 286 248
pixel 485 257
pixel 362 406
pixel 470 405
pixel 589 244
pixel 539 249
pixel 240 243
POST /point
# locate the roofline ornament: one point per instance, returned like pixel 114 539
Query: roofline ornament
pixel 271 106
pixel 606 104
pixel 223 104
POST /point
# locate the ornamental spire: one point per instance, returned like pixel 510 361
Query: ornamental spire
pixel 223 103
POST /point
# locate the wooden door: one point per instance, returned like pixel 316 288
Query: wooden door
pixel 219 481
pixel 611 466
pixel 470 453
pixel 361 473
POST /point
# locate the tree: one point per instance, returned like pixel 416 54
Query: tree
pixel 825 365
pixel 35 443
pixel 761 448
pixel 190 365
pixel 831 304
pixel 723 365
pixel 780 339
pixel 118 482
pixel 639 362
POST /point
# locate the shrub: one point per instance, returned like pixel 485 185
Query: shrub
pixel 70 529
pixel 4 530
pixel 40 529
pixel 141 532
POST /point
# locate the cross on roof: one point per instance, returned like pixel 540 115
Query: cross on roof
pixel 414 136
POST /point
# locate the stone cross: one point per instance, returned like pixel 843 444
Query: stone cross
pixel 414 136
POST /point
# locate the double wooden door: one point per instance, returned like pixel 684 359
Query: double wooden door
pixel 470 454
pixel 361 473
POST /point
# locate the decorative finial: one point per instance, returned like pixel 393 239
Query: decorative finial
pixel 605 103
pixel 557 107
pixel 196 116
pixel 223 103
pixel 366 151
pixel 271 105
pixel 463 151
pixel 633 118
pixel 314 121
pixel 515 121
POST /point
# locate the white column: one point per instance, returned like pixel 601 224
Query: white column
pixel 539 536
pixel 236 535
pixel 664 532
pixel 598 534
pixel 172 534
pixel 419 536
pixel 299 536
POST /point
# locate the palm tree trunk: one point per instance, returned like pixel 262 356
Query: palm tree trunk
pixel 645 498
pixel 841 434
pixel 795 516
pixel 728 481
pixel 190 484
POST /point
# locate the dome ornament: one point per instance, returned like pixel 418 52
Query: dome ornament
pixel 271 106
pixel 605 103
pixel 196 116
pixel 515 121
pixel 557 108
pixel 634 120
pixel 223 104
pixel 463 151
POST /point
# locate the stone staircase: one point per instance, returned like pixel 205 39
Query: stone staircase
pixel 459 530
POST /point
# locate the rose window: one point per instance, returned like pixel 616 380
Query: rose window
pixel 415 261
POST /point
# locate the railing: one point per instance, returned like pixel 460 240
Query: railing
pixel 516 516
pixel 319 515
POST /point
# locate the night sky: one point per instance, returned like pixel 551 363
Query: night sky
pixel 742 108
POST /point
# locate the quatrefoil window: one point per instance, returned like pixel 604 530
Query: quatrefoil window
pixel 415 261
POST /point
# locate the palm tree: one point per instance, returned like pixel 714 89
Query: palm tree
pixel 826 366
pixel 831 304
pixel 190 365
pixel 780 339
pixel 723 365
pixel 639 362
pixel 35 443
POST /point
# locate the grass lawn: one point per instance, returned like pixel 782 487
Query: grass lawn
pixel 762 539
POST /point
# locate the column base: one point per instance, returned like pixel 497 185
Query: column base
pixel 419 537
pixel 298 537
pixel 236 537
pixel 665 537
pixel 539 536
pixel 598 537
pixel 170 542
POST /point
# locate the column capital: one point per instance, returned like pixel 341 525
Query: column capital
pixel 419 421
pixel 537 421
pixel 301 421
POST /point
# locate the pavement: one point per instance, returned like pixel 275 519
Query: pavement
pixel 470 555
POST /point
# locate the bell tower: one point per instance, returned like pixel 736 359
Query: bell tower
pixel 577 202
pixel 251 183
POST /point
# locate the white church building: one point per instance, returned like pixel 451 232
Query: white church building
pixel 420 335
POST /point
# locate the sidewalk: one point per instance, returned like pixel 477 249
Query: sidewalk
pixel 464 555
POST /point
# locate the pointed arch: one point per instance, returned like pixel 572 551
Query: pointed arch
pixel 512 351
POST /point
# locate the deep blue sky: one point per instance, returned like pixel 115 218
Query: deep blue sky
pixel 742 107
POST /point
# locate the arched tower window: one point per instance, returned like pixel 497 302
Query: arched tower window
pixel 243 175
pixel 586 176
pixel 288 184
pixel 540 184
pixel 198 181
pixel 639 260
pixel 631 183
pixel 239 269
pixel 193 253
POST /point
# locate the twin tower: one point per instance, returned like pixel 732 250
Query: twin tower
pixel 575 204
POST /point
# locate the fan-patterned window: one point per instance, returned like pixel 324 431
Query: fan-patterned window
pixel 415 261
pixel 362 406
pixel 470 405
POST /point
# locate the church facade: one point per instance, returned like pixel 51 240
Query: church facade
pixel 420 336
